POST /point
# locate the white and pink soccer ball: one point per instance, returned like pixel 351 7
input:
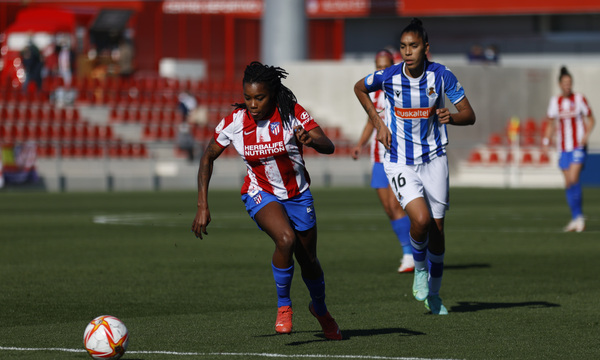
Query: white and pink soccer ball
pixel 106 337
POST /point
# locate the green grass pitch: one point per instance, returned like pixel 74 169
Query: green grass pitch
pixel 515 285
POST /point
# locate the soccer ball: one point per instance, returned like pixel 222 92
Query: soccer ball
pixel 106 337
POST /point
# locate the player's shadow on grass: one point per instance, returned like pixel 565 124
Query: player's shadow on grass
pixel 348 334
pixel 472 306
pixel 466 266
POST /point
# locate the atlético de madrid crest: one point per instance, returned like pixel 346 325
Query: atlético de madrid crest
pixel 275 128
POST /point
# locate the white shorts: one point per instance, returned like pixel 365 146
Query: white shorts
pixel 428 180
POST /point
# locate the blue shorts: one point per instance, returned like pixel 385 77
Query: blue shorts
pixel 378 178
pixel 300 209
pixel 566 158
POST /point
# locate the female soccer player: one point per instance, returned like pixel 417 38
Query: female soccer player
pixel 399 220
pixel 571 112
pixel 268 131
pixel 415 136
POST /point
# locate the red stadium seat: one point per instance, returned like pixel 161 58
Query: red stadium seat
pixel 141 151
pixel 170 134
pixel 475 157
pixel 37 114
pixel 47 150
pixel 527 158
pixel 67 150
pixel 3 114
pixel 3 133
pixel 494 158
pixel 528 140
pixel 149 132
pixel 509 158
pixel 106 132
pixel 94 133
pixel 27 132
pixel 78 149
pixel 495 139
pixel 530 127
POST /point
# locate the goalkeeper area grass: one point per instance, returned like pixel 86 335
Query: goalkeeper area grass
pixel 515 285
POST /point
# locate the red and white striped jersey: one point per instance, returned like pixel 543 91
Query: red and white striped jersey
pixel 270 151
pixel 569 113
pixel 377 149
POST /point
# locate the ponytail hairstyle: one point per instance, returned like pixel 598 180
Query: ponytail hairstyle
pixel 271 76
pixel 564 72
pixel 416 26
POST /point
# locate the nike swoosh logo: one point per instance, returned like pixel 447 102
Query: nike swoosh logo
pixel 248 133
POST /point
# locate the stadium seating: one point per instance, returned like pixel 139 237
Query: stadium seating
pixel 499 150
pixel 147 101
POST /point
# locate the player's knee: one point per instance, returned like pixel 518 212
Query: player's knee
pixel 286 240
pixel 420 223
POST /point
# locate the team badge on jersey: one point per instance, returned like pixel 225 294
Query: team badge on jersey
pixel 275 128
pixel 257 199
pixel 431 92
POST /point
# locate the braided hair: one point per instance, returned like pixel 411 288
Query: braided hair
pixel 416 26
pixel 271 76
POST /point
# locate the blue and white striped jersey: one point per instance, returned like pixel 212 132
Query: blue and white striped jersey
pixel 417 136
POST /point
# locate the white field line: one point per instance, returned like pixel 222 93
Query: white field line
pixel 165 220
pixel 267 355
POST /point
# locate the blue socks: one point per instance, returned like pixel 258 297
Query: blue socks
pixel 283 283
pixel 419 251
pixel 402 229
pixel 574 199
pixel 426 260
pixel 316 288
pixel 436 270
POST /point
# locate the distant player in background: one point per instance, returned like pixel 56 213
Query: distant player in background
pixel 571 117
pixel 268 131
pixel 414 132
pixel 400 222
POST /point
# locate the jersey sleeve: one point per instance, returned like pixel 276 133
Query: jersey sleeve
pixel 374 81
pixel 552 111
pixel 223 132
pixel 586 110
pixel 452 87
pixel 307 121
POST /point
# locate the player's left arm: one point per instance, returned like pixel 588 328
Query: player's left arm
pixel 589 125
pixel 464 116
pixel 315 138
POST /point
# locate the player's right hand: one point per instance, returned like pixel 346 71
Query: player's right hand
pixel 201 221
pixel 384 136
pixel 356 152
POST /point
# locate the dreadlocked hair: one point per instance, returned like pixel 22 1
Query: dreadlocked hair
pixel 257 72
